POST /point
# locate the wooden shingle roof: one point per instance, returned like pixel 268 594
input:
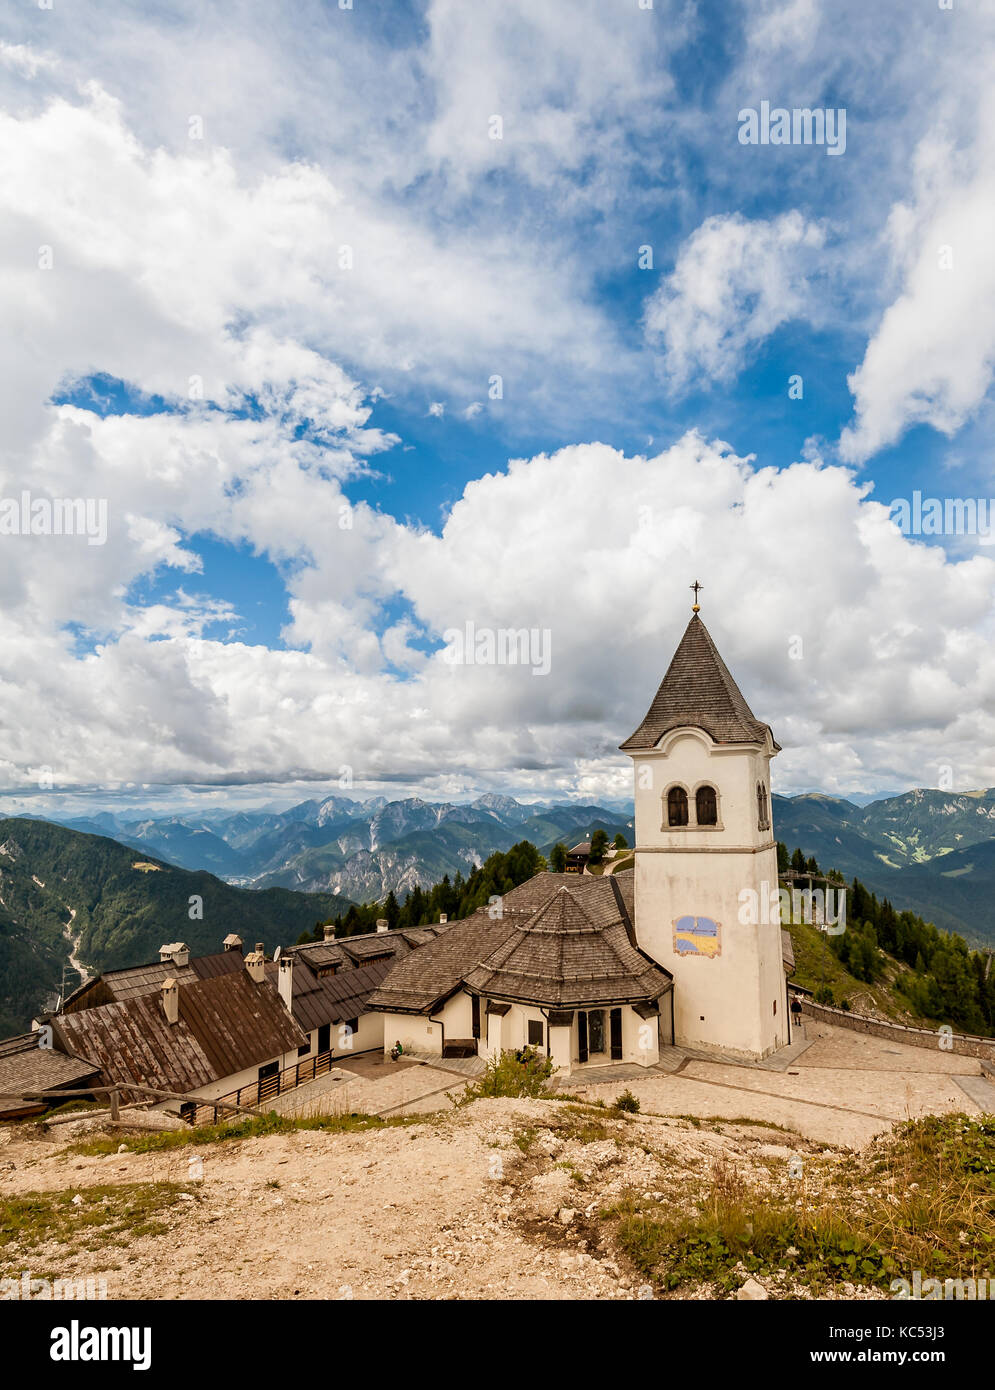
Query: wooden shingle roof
pixel 574 951
pixel 24 1066
pixel 113 986
pixel 699 692
pixel 560 940
pixel 417 982
pixel 321 999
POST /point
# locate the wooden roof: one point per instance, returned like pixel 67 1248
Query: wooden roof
pixel 24 1066
pixel 134 980
pixel 560 940
pixel 698 692
pixel 575 951
pixel 318 1000
pixel 345 952
pixel 225 1024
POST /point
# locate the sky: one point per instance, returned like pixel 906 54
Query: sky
pixel 372 331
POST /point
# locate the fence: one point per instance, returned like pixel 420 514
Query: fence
pixel 199 1112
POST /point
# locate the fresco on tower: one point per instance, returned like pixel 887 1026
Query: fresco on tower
pixel 697 936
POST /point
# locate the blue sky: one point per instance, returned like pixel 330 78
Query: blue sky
pixel 290 261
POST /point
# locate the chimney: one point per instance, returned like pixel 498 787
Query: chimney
pixel 443 917
pixel 285 982
pixel 255 963
pixel 232 942
pixel 171 1000
pixel 329 931
pixel 174 953
pixel 383 924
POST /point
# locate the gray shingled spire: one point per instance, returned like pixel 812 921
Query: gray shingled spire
pixel 699 692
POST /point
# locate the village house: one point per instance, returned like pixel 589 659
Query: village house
pixel 229 1033
pixel 578 857
pixel 220 1025
pixel 555 967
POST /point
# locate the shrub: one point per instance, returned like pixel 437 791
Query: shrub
pixel 517 1073
pixel 627 1101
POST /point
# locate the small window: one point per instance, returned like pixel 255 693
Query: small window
pixel 763 808
pixel 352 1024
pixel 303 1051
pixel 537 1033
pixel 677 806
pixel 706 806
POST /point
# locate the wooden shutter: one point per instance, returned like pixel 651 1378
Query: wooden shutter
pixel 475 1015
pixel 616 1035
pixel 582 1035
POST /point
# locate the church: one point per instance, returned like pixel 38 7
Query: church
pixel 594 970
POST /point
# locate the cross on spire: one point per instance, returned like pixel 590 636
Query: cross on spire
pixel 695 586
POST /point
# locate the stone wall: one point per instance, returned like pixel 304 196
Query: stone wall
pixel 961 1043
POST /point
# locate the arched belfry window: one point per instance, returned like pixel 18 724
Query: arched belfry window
pixel 706 806
pixel 763 808
pixel 677 806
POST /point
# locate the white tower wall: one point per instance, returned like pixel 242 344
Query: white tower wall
pixel 731 997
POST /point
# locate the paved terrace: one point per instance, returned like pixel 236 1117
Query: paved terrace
pixel 832 1085
pixel 835 1086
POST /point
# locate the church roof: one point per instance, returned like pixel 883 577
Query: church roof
pixel 575 951
pixel 562 941
pixel 699 692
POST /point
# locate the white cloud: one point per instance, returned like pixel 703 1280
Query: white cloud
pixel 734 283
pixel 932 357
pixel 896 677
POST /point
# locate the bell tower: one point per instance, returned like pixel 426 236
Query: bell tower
pixel 703 836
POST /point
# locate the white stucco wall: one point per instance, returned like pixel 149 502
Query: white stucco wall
pixel 726 1002
pixel 413 1031
pixel 367 1036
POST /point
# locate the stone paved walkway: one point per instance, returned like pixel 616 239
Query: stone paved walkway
pixel 836 1086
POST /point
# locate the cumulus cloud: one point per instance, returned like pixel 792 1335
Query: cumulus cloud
pixel 734 282
pixel 932 356
pixel 260 289
pixel 891 678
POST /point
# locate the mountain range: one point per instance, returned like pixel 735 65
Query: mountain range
pixel 361 850
pixel 65 894
pixel 931 852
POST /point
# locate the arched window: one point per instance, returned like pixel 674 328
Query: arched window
pixel 763 808
pixel 677 806
pixel 706 806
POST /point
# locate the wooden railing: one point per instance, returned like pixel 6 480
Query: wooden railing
pixel 255 1093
